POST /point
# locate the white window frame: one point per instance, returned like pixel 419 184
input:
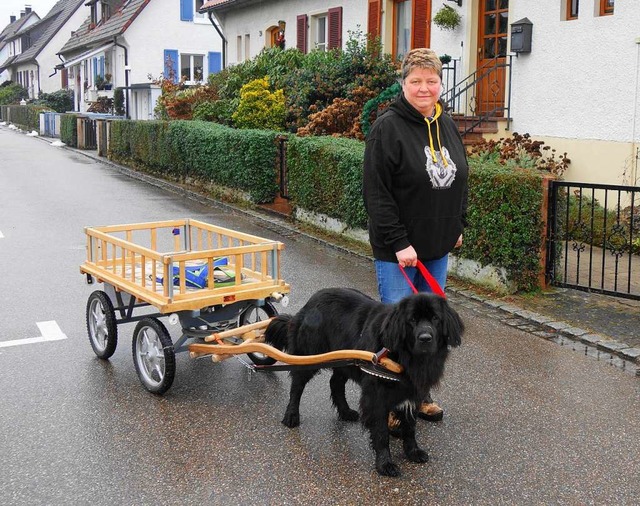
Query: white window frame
pixel 191 56
pixel 317 33
pixel 199 17
pixel 247 46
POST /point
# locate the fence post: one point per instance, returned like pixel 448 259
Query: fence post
pixel 544 211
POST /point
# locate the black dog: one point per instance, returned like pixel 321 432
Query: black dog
pixel 417 331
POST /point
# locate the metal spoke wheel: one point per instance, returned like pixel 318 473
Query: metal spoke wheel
pixel 255 314
pixel 153 355
pixel 101 324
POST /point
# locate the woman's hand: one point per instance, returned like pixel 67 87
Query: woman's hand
pixel 407 257
pixel 459 243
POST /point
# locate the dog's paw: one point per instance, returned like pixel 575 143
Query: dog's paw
pixel 418 455
pixel 291 420
pixel 350 415
pixel 388 468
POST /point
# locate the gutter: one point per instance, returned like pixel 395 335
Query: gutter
pixel 126 75
pixel 224 40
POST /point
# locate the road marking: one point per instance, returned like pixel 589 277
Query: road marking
pixel 49 330
pixel 1 236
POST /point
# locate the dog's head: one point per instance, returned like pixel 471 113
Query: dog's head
pixel 421 324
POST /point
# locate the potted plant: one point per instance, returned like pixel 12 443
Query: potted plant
pixel 107 82
pixel 99 82
pixel 447 18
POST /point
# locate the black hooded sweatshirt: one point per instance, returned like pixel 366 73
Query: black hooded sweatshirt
pixel 409 199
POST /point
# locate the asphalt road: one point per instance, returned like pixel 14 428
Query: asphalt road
pixel 526 421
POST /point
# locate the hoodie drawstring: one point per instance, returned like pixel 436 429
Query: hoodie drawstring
pixel 429 121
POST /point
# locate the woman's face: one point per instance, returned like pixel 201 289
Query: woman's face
pixel 422 88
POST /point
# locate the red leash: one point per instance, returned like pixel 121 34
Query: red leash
pixel 431 281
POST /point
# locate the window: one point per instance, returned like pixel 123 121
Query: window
pixel 247 46
pixel 192 67
pixel 319 26
pixel 105 12
pixel 239 49
pixel 606 7
pixel 402 22
pixel 94 14
pixel 198 5
pixel 572 9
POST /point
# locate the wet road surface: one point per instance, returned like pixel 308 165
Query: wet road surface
pixel 526 421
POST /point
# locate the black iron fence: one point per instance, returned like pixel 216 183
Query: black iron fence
pixel 594 238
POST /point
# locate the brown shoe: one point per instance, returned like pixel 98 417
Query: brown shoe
pixel 430 411
pixel 393 423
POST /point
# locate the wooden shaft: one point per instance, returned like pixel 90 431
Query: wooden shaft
pixel 237 331
pixel 253 347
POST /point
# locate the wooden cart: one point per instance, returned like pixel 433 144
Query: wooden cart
pixel 147 265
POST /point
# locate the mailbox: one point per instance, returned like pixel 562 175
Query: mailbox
pixel 521 36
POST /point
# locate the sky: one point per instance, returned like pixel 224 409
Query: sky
pixel 13 8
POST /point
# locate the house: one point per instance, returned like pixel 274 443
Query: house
pixel 11 46
pixel 132 43
pixel 34 65
pixel 577 87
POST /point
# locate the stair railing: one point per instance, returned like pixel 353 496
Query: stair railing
pixel 461 97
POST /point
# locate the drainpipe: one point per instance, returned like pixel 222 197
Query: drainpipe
pixel 126 75
pixel 39 89
pixel 224 41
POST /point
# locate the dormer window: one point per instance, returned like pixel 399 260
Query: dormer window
pixel 94 13
pixel 106 12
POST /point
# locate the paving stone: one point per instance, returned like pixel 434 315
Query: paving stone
pixel 574 331
pixel 558 325
pixel 544 334
pixel 611 346
pixel 591 338
pixel 631 353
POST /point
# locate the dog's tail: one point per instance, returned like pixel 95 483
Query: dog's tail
pixel 277 332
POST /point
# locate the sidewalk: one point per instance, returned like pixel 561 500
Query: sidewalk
pixel 603 327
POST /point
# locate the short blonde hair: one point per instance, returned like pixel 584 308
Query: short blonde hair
pixel 421 58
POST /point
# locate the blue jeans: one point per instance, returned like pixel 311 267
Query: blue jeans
pixel 392 286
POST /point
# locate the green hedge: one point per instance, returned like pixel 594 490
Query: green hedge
pixel 26 117
pixel 239 159
pixel 325 176
pixel 506 222
pixel 69 129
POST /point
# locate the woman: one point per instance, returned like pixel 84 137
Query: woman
pixel 415 187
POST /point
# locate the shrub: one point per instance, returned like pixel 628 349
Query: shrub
pixel 59 101
pixel 103 105
pixel 118 102
pixel 325 176
pixel 505 222
pixel 259 107
pixel 12 94
pixel 69 129
pixel 520 151
pixel 372 107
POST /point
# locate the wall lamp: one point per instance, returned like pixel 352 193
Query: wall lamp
pixel 459 2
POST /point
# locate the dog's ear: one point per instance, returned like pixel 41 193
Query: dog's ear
pixel 392 329
pixel 452 325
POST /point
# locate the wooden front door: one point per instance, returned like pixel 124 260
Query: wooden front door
pixel 493 27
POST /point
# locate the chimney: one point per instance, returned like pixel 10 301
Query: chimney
pixel 21 14
pixel 27 9
pixel 12 19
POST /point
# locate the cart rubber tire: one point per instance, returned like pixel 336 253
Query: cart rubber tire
pixel 255 314
pixel 101 324
pixel 153 355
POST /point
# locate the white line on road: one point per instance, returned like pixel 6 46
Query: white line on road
pixel 49 330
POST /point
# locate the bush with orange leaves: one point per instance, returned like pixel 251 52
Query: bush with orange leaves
pixel 178 100
pixel 341 118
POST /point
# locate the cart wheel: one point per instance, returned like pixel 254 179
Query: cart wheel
pixel 153 355
pixel 255 314
pixel 101 324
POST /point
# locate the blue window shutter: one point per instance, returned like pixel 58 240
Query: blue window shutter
pixel 215 63
pixel 171 64
pixel 186 10
pixel 95 67
pixel 102 66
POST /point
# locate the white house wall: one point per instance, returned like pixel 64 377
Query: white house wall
pixel 257 18
pixel 578 88
pixel 48 58
pixel 158 27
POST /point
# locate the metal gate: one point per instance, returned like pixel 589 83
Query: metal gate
pixel 593 241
